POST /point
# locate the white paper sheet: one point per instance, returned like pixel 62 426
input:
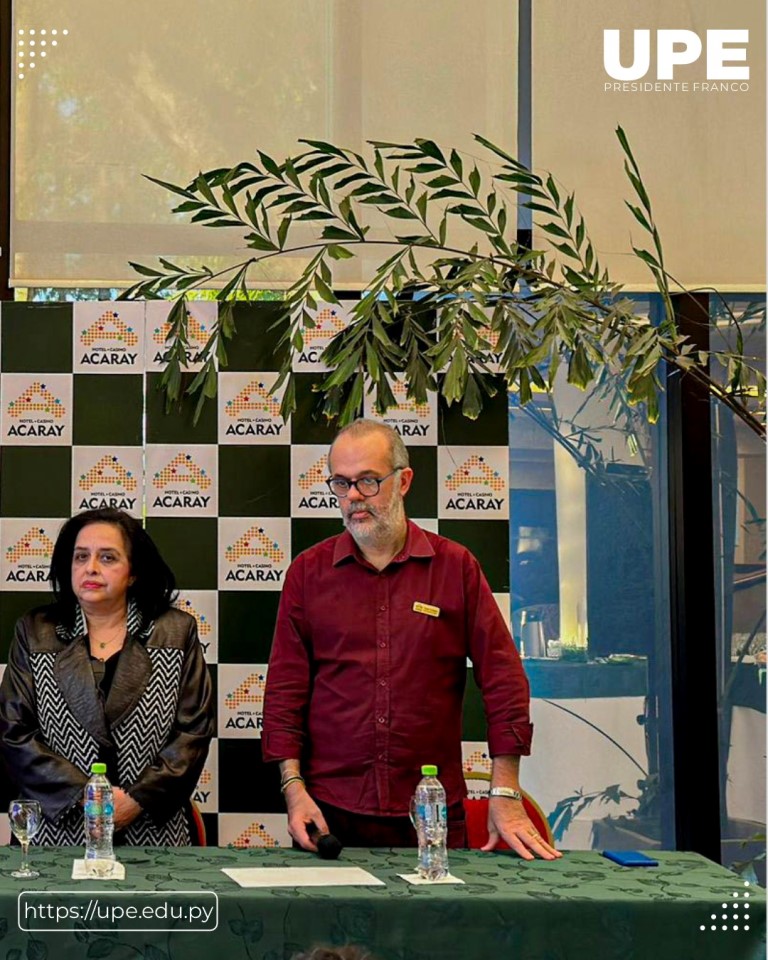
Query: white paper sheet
pixel 417 881
pixel 80 871
pixel 302 877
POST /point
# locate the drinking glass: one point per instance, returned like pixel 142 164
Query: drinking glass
pixel 25 821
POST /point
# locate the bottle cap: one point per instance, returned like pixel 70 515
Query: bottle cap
pixel 429 770
pixel 98 768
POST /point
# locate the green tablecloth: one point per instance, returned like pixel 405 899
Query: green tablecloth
pixel 582 906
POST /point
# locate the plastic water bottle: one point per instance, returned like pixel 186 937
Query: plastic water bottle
pixel 99 822
pixel 430 819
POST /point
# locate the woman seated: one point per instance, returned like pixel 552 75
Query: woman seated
pixel 110 672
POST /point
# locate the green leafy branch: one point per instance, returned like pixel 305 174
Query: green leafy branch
pixel 439 310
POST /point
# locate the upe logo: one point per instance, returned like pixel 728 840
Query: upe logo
pixel 677 48
pixel 108 472
pixel 110 328
pixel 255 836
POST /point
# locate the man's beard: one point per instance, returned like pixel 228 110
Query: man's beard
pixel 386 527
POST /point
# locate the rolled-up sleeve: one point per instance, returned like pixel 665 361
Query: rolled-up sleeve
pixel 286 697
pixel 497 667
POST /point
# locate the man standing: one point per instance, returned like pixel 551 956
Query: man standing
pixel 368 667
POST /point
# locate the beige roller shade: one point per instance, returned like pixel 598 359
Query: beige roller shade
pixel 167 88
pixel 702 153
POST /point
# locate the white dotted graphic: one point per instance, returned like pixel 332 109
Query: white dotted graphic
pixel 735 916
pixel 21 62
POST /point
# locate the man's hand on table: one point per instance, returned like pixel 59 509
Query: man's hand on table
pixel 302 811
pixel 508 821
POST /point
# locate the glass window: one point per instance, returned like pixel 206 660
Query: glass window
pixel 589 575
pixel 738 488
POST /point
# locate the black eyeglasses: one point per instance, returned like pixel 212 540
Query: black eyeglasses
pixel 365 486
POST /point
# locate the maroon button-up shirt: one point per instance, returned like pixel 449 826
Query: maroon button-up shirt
pixel 363 689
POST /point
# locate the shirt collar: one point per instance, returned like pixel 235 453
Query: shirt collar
pixel 134 623
pixel 416 545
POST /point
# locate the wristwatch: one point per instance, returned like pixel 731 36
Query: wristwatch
pixel 507 792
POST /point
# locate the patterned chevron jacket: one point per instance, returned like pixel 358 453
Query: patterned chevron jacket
pixel 156 723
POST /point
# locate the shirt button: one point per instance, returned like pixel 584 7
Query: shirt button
pixel 383 607
pixel 382 756
pixel 382 683
pixel 382 719
pixel 382 644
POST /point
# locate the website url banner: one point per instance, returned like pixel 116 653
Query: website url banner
pixel 63 911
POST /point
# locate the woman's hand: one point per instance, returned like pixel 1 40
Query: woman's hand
pixel 126 808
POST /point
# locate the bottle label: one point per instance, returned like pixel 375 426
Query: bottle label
pixel 93 808
pixel 432 812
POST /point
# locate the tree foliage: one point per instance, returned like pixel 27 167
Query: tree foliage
pixel 435 310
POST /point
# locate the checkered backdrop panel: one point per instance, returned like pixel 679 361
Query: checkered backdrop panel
pixel 230 501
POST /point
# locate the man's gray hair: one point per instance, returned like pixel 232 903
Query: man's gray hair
pixel 362 427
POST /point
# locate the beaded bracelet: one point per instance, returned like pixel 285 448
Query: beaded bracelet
pixel 288 780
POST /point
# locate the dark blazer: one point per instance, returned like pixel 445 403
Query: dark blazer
pixel 156 723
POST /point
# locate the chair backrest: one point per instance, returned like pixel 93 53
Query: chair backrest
pixel 476 814
pixel 196 825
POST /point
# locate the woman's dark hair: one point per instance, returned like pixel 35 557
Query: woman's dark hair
pixel 154 586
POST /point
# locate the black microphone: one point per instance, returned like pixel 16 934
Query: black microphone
pixel 328 847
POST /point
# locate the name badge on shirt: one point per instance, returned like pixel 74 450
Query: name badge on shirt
pixel 426 608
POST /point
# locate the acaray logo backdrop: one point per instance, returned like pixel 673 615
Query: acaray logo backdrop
pixel 201 319
pixel 476 764
pixel 203 606
pixel 107 477
pixel 310 496
pixel 415 422
pixel 230 501
pixel 108 337
pixel 206 794
pixel 27 547
pixel 473 483
pixel 248 410
pixel 36 409
pixel 247 832
pixel 254 553
pixel 327 320
pixel 241 699
pixel 182 482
